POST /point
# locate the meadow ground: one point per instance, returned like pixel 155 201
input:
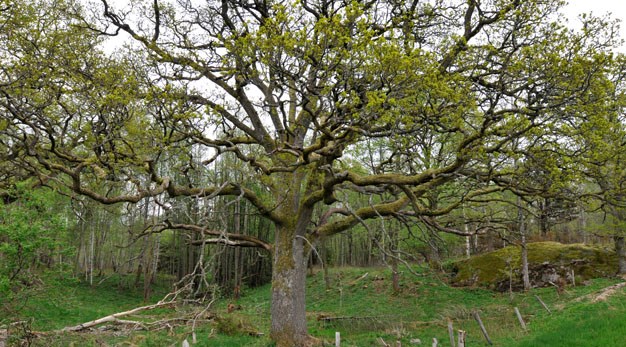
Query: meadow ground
pixel 359 304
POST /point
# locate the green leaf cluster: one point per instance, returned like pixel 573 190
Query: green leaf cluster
pixel 33 233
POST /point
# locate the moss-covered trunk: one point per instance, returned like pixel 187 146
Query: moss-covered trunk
pixel 288 310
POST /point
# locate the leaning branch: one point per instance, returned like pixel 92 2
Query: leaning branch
pixel 230 239
pixel 230 189
pixel 228 242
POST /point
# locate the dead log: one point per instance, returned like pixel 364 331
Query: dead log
pixel 115 318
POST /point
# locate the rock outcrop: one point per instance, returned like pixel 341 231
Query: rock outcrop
pixel 550 263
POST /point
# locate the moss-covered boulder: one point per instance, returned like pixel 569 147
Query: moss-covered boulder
pixel 549 263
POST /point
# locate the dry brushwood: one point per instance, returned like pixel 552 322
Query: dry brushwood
pixel 170 300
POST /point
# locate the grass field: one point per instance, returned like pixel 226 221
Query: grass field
pixel 368 309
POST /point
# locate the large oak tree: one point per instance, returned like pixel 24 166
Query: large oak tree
pixel 290 88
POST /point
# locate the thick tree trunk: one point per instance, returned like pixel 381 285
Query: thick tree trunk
pixel 620 250
pixel 288 311
pixel 395 276
pixel 289 266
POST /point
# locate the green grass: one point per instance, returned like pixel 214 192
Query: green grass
pixel 419 311
pixel 584 324
pixel 422 308
pixel 66 301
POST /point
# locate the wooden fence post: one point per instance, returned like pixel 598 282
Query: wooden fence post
pixel 461 340
pixel 482 328
pixel 519 318
pixel 451 332
pixel 543 304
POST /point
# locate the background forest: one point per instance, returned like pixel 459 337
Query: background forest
pixel 226 145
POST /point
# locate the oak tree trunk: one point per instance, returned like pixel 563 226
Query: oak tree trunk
pixel 288 311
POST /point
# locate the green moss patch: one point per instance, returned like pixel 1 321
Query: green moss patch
pixel 549 262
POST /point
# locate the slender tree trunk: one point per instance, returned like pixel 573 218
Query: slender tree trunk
pixel 157 247
pixel 468 239
pixel 91 255
pixel 237 253
pixel 156 255
pixel 525 272
pixel 79 264
pixel 543 218
pixel 148 270
pixel 621 254
pixel 583 225
pixel 395 274
pixel 138 275
pixel 325 263
pixel 350 249
pixel 370 248
pixel 524 255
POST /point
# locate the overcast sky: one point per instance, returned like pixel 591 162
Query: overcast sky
pixel 617 8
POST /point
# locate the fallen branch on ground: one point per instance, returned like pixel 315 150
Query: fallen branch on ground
pixel 331 319
pixel 114 318
pixel 606 292
pixel 168 301
pixel 358 279
pixel 603 294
